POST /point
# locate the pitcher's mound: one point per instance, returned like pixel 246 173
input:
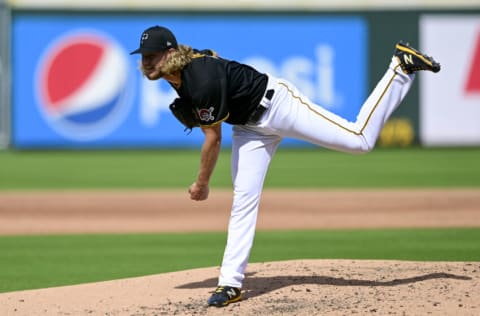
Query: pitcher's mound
pixel 302 287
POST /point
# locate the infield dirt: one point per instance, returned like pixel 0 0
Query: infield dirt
pixel 301 287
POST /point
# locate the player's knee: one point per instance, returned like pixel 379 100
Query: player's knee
pixel 362 148
pixel 368 148
pixel 360 151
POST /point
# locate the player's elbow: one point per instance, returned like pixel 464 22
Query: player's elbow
pixel 213 135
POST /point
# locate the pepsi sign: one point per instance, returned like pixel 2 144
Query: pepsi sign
pixel 82 85
pixel 74 84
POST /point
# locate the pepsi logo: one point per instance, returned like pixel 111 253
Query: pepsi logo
pixel 82 85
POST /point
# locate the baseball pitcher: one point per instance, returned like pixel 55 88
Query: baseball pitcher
pixel 263 110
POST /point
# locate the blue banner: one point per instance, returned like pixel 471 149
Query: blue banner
pixel 75 84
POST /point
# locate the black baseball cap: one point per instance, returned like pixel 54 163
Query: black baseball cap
pixel 156 39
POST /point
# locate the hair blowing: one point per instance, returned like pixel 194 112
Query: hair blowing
pixel 178 59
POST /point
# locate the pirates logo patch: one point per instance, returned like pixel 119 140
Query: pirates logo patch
pixel 205 115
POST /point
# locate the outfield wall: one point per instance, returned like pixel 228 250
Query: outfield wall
pixel 335 57
pixel 113 105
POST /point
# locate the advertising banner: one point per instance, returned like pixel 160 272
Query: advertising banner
pixel 75 84
pixel 450 101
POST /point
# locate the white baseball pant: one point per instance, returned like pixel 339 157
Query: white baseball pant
pixel 291 114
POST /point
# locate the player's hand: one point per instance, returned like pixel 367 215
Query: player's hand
pixel 198 192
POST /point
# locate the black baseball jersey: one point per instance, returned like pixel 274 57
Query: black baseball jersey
pixel 222 90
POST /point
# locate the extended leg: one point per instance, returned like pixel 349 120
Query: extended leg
pixel 319 126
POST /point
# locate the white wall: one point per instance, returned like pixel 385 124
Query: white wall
pixel 245 4
pixel 450 100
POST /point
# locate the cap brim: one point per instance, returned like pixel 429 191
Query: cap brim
pixel 144 50
pixel 137 51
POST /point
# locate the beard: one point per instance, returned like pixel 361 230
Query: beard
pixel 152 74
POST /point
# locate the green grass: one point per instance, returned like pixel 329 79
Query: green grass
pixel 400 244
pixel 28 262
pixel 413 167
pixel 45 261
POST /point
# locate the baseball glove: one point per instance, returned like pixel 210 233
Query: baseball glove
pixel 184 113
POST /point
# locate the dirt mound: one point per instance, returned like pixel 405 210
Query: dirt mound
pixel 301 287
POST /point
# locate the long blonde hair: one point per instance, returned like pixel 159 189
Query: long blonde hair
pixel 178 59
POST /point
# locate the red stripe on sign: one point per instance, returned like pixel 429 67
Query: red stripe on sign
pixel 473 82
pixel 71 68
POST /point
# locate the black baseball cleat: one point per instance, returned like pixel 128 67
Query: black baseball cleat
pixel 225 295
pixel 411 60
